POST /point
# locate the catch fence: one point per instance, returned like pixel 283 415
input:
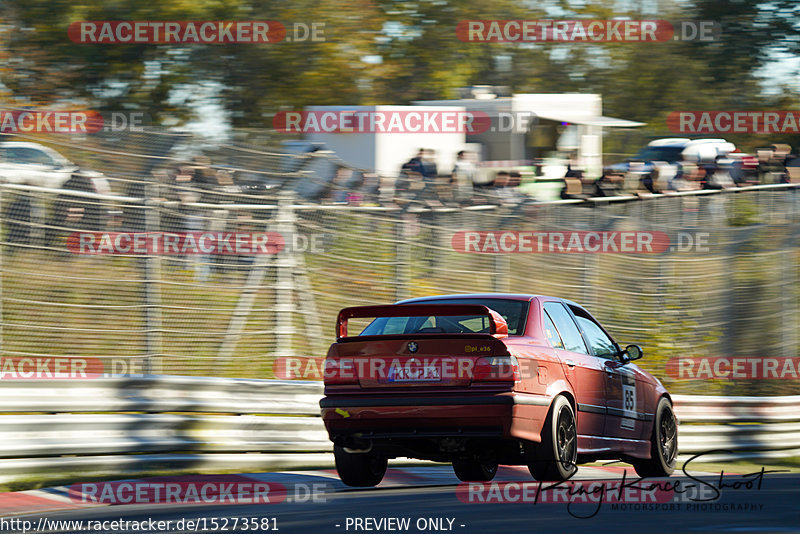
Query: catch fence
pixel 725 283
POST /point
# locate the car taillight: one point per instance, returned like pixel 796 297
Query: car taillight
pixel 497 369
pixel 340 371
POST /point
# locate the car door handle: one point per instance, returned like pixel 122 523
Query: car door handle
pixel 570 363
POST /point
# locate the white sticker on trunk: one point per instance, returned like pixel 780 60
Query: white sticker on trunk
pixel 628 407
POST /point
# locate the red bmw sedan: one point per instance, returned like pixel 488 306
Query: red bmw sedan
pixel 489 379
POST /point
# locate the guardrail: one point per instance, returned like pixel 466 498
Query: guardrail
pixel 748 427
pixel 112 426
pixel 165 423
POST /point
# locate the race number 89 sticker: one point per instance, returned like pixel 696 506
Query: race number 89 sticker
pixel 628 407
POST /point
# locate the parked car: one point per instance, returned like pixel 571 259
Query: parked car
pixel 34 164
pixel 488 379
pixel 666 154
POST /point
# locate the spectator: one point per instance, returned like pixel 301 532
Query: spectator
pixel 203 175
pixel 632 181
pixel 678 182
pixel 572 173
pixel 771 167
pixel 340 186
pixel 426 189
pixel 500 180
pixel 709 170
pixel 608 185
pixel 409 182
pixel 415 163
pixel 650 181
pixel 573 185
pixel 689 177
pixel 721 177
pixel 429 171
pixel 189 184
pixel 694 177
pixel 792 168
pixel 370 189
pixel 388 190
pixel 463 177
pixel 737 172
pixel 505 189
pixel 355 194
pixel 781 153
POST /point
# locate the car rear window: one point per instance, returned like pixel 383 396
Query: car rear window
pixel 513 311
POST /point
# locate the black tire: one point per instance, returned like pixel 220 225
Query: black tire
pixel 555 458
pixel 359 468
pixel 474 470
pixel 663 444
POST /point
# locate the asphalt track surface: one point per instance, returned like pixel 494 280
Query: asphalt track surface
pixel 430 501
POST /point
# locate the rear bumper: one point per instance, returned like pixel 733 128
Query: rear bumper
pixel 502 399
pixel 490 415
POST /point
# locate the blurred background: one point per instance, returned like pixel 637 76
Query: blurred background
pixel 210 159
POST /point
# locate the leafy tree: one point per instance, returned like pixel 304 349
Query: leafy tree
pixel 391 52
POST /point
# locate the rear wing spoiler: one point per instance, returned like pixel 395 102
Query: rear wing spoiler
pixel 497 325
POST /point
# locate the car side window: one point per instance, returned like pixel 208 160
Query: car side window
pixel 601 344
pixel 29 156
pixel 570 335
pixel 551 333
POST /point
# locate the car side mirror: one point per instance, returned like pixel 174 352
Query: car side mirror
pixel 632 352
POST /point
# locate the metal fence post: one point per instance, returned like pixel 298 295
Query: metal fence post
pixel 38 220
pixel 729 261
pixel 590 271
pixel 285 280
pixel 502 273
pixel 788 272
pixel 792 272
pixel 2 273
pixel 791 259
pixel 402 267
pixel 152 288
